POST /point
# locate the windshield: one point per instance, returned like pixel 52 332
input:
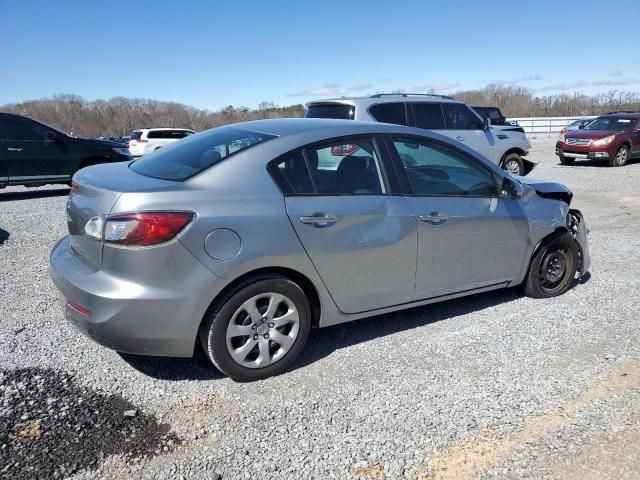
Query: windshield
pixel 610 123
pixel 194 154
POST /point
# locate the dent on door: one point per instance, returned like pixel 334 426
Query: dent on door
pixel 363 247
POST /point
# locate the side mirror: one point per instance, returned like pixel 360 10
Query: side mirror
pixel 511 189
pixel 49 136
pixel 486 124
pixel 581 127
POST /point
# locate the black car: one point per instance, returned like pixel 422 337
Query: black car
pixel 34 154
pixel 492 113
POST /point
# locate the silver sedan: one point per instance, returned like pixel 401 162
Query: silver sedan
pixel 244 237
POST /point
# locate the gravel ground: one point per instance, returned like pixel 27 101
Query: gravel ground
pixel 495 386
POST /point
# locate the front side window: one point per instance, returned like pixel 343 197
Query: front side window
pixel 182 160
pixel 428 116
pixel 458 116
pixel 350 167
pixel 24 130
pixel 389 113
pixel 433 169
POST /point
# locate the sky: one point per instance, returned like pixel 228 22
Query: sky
pixel 210 54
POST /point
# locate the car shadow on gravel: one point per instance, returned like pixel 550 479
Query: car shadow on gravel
pixel 4 235
pixel 325 341
pixel 174 369
pixel 33 194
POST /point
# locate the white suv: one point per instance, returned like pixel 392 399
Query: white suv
pixel 505 145
pixel 147 140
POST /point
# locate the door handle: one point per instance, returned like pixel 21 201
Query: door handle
pixel 11 149
pixel 435 218
pixel 319 220
pixel 460 138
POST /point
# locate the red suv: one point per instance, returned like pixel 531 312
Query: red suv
pixel 614 137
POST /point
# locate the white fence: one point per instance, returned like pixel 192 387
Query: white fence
pixel 545 125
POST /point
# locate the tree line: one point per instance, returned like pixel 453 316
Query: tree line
pixel 119 116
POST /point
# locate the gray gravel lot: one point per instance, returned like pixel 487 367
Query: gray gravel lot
pixel 495 386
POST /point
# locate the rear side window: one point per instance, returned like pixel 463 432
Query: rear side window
pixel 136 135
pixel 182 160
pixel 156 134
pixel 331 110
pixel 458 116
pixel 389 113
pixel 428 116
pixel 175 134
pixel 342 168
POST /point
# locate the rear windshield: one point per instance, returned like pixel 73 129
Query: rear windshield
pixel 136 135
pixel 186 158
pixel 610 123
pixel 335 110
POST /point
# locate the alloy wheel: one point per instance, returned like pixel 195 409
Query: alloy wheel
pixel 262 330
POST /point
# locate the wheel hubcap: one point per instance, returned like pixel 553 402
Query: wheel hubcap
pixel 621 158
pixel 512 167
pixel 262 330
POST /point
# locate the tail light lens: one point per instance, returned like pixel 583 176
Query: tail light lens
pixel 144 229
pixel 344 150
pixel 141 140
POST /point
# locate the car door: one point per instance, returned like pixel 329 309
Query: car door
pixel 4 173
pixel 33 152
pixel 360 237
pixel 468 237
pixel 635 139
pixel 458 122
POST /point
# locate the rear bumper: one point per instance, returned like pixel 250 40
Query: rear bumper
pixel 135 316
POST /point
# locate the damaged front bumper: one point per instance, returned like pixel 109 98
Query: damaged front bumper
pixel 578 228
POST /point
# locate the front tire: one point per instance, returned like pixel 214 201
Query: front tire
pixel 258 329
pixel 513 164
pixel 621 157
pixel 553 268
pixel 567 160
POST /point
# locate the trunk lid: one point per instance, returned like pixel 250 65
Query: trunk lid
pixel 95 192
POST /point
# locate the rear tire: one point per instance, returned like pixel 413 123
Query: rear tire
pixel 621 157
pixel 513 164
pixel 253 346
pixel 553 267
pixel 567 160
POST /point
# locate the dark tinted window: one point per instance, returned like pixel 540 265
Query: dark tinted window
pixel 428 115
pixel 436 170
pixel 293 175
pixel 135 135
pixel 175 134
pixel 389 113
pixel 15 128
pixel 460 117
pixel 351 167
pixel 610 123
pixel 182 160
pixel 331 110
pixel 156 134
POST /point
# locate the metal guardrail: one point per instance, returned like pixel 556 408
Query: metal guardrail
pixel 546 125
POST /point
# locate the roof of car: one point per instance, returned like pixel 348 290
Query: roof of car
pixel 634 115
pixel 389 98
pixel 162 128
pixel 289 126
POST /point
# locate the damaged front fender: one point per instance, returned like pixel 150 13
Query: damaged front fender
pixel 578 228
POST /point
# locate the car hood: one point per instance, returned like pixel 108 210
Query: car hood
pixel 98 143
pixel 592 134
pixel 548 189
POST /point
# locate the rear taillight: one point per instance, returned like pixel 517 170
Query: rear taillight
pixel 141 140
pixel 144 229
pixel 75 186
